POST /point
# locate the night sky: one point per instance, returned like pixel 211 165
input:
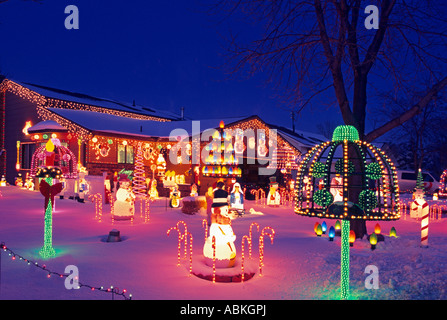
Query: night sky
pixel 162 54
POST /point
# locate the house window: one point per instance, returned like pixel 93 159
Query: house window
pixel 125 154
pixel 27 154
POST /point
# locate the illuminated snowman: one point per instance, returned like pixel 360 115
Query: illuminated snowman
pixel 124 204
pixel 225 251
pixel 419 207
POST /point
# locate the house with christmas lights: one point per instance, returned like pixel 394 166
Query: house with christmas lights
pixel 103 138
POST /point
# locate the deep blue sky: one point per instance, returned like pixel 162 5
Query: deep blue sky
pixel 163 54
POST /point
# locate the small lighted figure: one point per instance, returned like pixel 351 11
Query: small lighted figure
pixel 273 197
pixel 153 193
pixel 419 206
pixel 174 197
pixel 83 187
pixel 19 181
pixel 194 192
pixel 29 183
pixel 262 148
pixel 251 142
pixel 161 165
pixel 239 145
pixel 237 198
pixel 169 179
pixel 3 182
pixel 337 188
pixel 124 204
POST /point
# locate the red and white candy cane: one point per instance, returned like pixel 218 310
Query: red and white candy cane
pixel 419 208
pixel 424 225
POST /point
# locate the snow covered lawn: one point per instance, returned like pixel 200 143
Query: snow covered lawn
pixel 298 265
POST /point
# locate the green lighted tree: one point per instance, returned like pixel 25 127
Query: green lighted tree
pixel 48 190
pixel 419 181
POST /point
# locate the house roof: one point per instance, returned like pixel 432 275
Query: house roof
pixel 48 125
pixel 85 99
pixel 123 123
pixel 101 123
pixel 301 140
pixel 107 123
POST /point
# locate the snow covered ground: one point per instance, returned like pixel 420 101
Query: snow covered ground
pixel 298 265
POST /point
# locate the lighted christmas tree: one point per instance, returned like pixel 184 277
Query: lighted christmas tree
pixel 419 181
pixel 139 179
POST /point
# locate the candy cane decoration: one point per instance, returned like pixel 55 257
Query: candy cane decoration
pixel 256 194
pixel 214 258
pixel 179 242
pixel 261 245
pixel 93 198
pixel 187 236
pixel 250 237
pixel 205 224
pixel 185 231
pixel 141 206
pixel 262 196
pixel 243 255
pixel 97 199
pixel 147 209
pixel 112 211
pixel 424 226
pixel 420 208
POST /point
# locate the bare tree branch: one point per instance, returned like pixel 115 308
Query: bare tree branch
pixel 416 109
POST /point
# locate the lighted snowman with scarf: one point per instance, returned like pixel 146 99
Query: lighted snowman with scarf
pixel 419 207
pixel 224 255
pixel 273 197
pixel 125 199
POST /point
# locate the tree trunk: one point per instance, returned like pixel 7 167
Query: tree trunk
pixel 359 227
pixel 359 113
